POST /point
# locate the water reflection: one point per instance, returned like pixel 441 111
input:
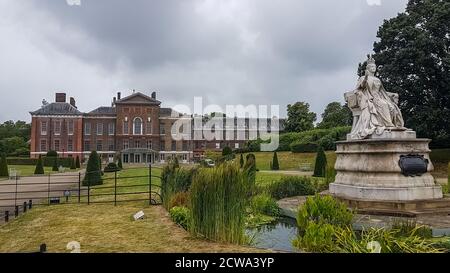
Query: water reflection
pixel 277 235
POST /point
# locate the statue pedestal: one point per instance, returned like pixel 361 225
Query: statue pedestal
pixel 369 169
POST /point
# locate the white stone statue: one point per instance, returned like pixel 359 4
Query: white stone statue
pixel 375 109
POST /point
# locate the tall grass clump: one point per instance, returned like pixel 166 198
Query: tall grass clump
pixel 174 180
pixel 218 202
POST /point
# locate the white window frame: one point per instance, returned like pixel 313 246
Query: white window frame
pixel 87 129
pixel 70 145
pixel 236 145
pixel 126 144
pixel 134 126
pixel 59 126
pixel 44 132
pixel 111 128
pixel 70 127
pixel 100 129
pixel 45 145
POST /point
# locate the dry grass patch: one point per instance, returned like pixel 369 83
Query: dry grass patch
pixel 103 228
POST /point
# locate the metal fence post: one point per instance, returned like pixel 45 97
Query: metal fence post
pixel 79 187
pixel 6 216
pixel 89 192
pixel 15 194
pixel 115 188
pixel 48 190
pixel 16 211
pixel 30 204
pixel 150 184
pixel 24 207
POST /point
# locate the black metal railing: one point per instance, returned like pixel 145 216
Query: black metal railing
pixel 69 189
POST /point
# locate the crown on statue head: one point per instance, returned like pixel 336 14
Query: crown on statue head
pixel 370 59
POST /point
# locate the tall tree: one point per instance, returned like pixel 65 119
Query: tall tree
pixel 335 115
pixel 299 118
pixel 413 54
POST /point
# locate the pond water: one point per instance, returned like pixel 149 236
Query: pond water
pixel 277 235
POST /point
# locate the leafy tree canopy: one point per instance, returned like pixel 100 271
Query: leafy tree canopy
pixel 299 118
pixel 413 54
pixel 335 115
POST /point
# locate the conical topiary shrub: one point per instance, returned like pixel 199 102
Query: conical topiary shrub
pixel 73 166
pixel 39 166
pixel 77 163
pixel 321 163
pixel 275 164
pixel 119 163
pixel 4 172
pixel 93 173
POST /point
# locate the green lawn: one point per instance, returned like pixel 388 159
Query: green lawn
pixel 28 170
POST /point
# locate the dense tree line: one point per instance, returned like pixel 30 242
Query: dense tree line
pixel 14 138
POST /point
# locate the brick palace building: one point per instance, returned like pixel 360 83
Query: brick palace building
pixel 135 127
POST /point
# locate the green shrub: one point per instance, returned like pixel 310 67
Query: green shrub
pixel 321 163
pixel 179 199
pixel 111 167
pixel 52 153
pixel 39 166
pixel 93 174
pixel 289 186
pixel 181 216
pixel 4 172
pixel 73 166
pixel 327 142
pixel 323 210
pixel 300 147
pixel 318 238
pixel 218 202
pixel 227 151
pixel 77 163
pixel 275 165
pixel 264 204
pixel 46 161
pixel 241 161
pixel 348 241
pixel 55 164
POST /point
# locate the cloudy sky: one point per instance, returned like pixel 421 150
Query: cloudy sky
pixel 227 51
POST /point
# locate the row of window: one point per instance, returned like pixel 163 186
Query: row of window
pixel 126 145
pixel 99 129
pixel 56 145
pixel 57 127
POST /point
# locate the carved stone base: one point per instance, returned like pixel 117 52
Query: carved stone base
pixel 369 170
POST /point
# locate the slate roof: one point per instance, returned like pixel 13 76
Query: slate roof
pixel 57 108
pixel 103 111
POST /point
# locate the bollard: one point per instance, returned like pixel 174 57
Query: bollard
pixel 30 204
pixel 24 207
pixel 6 216
pixel 16 211
pixel 43 248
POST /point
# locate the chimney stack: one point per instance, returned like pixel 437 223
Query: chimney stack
pixel 118 95
pixel 114 101
pixel 154 95
pixel 72 102
pixel 60 97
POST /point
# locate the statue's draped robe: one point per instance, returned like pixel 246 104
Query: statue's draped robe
pixel 379 110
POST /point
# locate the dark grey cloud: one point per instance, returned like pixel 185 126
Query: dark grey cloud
pixel 229 52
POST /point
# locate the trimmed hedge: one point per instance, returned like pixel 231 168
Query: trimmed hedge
pixel 47 161
pixel 298 147
pixel 289 186
pixel 323 137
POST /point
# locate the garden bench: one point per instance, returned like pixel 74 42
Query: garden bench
pixel 305 167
